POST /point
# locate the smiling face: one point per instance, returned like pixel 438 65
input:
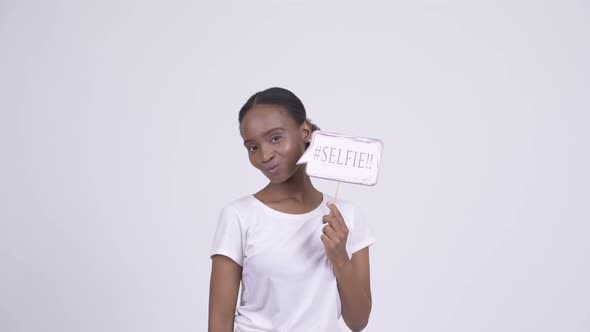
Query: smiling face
pixel 274 140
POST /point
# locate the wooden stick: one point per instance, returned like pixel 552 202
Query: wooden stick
pixel 336 195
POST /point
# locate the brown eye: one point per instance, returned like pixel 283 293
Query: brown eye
pixel 252 148
pixel 275 138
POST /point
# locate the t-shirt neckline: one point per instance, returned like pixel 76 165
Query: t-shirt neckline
pixel 291 215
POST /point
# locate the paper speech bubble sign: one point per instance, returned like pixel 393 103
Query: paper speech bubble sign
pixel 343 158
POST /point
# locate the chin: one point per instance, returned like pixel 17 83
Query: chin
pixel 280 178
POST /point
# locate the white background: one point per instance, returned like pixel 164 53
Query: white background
pixel 120 143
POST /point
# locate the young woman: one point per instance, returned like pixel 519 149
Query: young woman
pixel 303 262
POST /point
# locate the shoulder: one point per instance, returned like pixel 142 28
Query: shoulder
pixel 239 204
pixel 360 235
pixel 238 209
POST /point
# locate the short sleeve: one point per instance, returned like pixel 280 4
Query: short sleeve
pixel 229 236
pixel 360 234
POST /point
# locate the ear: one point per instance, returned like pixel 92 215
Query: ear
pixel 306 130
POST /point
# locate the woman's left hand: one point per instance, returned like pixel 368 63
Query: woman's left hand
pixel 334 237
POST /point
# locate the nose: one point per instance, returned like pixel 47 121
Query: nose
pixel 267 154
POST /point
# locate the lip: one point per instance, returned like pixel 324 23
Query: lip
pixel 272 168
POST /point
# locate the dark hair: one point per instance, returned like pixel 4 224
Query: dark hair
pixel 281 97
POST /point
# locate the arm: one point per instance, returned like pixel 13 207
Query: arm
pixel 352 274
pixel 353 279
pixel 223 293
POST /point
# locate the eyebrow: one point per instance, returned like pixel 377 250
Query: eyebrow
pixel 266 133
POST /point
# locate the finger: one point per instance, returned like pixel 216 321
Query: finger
pixel 333 209
pixel 326 241
pixel 332 221
pixel 336 213
pixel 330 232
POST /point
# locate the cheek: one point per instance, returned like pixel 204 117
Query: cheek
pixel 252 159
pixel 287 148
pixel 293 151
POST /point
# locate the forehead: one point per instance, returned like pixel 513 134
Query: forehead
pixel 261 118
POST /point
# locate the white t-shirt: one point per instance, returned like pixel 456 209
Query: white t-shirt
pixel 287 280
